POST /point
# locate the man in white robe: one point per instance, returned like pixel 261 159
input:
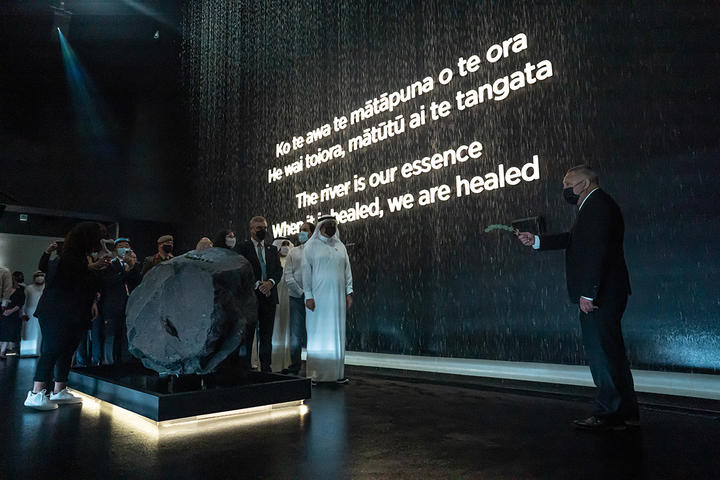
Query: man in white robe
pixel 327 283
pixel 281 331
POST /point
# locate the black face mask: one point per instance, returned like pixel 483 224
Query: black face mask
pixel 570 196
pixel 260 235
pixel 330 230
pixel 167 248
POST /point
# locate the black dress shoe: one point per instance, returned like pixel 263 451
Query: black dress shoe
pixel 598 424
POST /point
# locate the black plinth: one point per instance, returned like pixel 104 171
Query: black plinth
pixel 162 398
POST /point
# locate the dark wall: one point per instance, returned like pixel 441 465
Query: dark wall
pixel 117 145
pixel 143 234
pixel 634 94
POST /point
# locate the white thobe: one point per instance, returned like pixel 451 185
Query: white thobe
pixel 281 330
pixel 327 279
pixel 31 336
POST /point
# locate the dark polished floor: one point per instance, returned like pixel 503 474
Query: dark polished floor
pixel 373 428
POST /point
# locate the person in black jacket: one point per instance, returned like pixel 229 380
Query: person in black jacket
pixel 49 266
pixel 265 261
pixel 598 281
pixel 114 294
pixel 64 311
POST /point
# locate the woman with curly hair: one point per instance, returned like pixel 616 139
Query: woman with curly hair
pixel 64 312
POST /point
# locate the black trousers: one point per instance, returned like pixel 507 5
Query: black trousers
pixel 605 353
pixel 265 326
pixel 59 342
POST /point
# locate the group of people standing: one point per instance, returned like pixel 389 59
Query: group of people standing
pixel 303 295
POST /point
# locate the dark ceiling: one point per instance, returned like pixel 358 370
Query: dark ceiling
pixel 130 52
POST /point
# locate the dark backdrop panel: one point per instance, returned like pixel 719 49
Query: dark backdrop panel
pixel 634 95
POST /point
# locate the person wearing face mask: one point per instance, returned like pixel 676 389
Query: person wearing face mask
pixel 293 280
pixel 281 329
pixel 31 337
pixel 165 246
pixel 265 261
pixel 63 312
pixel 225 239
pixel 109 326
pixel 328 288
pixel 598 281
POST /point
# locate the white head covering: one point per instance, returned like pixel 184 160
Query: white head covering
pixel 322 220
pixel 279 241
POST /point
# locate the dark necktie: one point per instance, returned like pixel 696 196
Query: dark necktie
pixel 263 269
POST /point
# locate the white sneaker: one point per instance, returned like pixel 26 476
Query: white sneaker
pixel 39 401
pixel 63 397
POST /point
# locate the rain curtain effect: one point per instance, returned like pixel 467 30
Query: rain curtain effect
pixel 428 279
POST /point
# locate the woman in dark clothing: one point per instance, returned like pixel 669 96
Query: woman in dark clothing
pixel 64 312
pixel 10 321
pixel 225 239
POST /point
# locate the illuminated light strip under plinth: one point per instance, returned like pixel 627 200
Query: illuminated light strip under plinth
pixel 199 423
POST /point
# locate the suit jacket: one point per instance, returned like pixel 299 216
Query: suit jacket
pixel 113 295
pixel 594 255
pixel 134 277
pixel 273 268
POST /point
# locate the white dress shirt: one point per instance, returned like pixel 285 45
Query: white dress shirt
pixel 293 271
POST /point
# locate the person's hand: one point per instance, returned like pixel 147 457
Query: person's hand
pixel 348 301
pixel 266 287
pixel 10 311
pixel 310 304
pixel 586 305
pixel 99 264
pixel 527 238
pixel 25 318
pixel 94 312
pixel 51 248
pixel 130 260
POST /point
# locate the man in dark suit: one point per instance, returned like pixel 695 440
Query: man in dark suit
pixel 265 262
pixel 109 328
pixel 598 281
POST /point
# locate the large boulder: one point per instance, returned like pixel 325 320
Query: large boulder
pixel 191 312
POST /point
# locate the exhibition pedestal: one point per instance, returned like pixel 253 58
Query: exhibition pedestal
pixel 162 398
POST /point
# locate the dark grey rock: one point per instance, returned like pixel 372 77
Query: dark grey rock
pixel 191 312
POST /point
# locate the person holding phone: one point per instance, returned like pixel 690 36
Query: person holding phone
pixel 47 265
pixel 64 312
